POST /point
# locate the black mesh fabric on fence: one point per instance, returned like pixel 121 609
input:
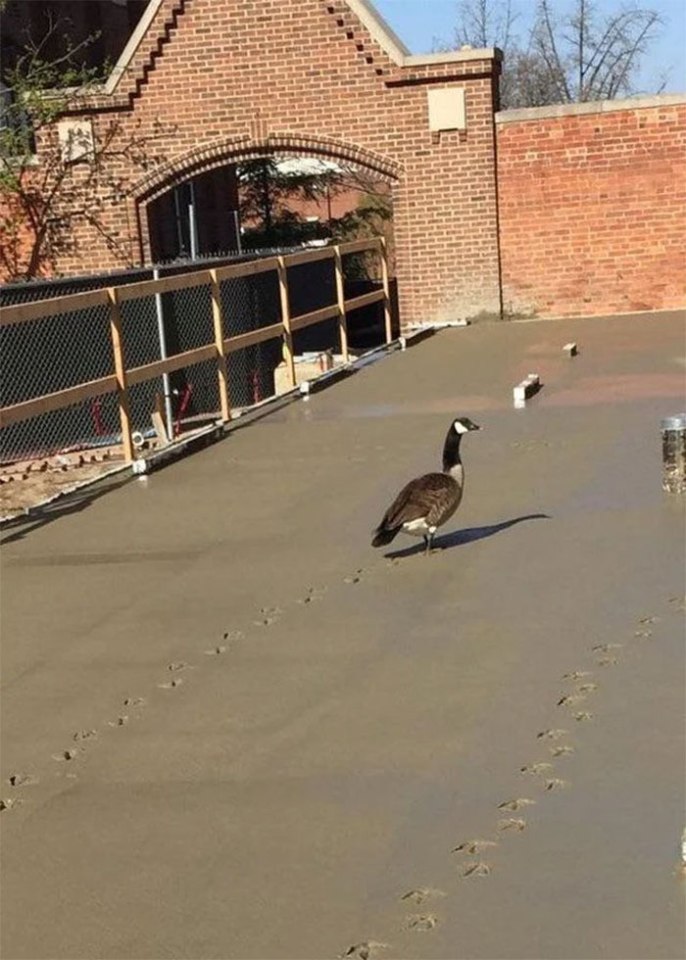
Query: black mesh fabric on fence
pixel 50 354
pixel 251 303
pixel 43 356
pixel 46 355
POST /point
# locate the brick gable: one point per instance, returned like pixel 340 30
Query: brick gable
pixel 233 78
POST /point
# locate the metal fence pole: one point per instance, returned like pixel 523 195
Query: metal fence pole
pixel 192 221
pixel 383 249
pixel 340 297
pixel 166 382
pixel 218 322
pixel 286 319
pixel 120 374
pixel 237 225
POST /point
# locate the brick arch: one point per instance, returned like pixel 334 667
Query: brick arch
pixel 233 149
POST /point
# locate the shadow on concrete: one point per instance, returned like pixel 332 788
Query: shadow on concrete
pixel 68 503
pixel 468 535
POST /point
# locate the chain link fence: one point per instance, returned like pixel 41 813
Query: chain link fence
pixel 46 355
pixel 52 353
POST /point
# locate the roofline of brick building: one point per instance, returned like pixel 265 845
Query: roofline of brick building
pixel 132 46
pixel 592 106
pixel 364 10
pixel 379 29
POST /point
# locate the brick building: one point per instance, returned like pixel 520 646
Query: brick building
pixel 538 214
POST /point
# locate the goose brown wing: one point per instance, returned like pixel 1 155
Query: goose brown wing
pixel 424 497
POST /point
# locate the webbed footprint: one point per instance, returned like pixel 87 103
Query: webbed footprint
pixel 422 922
pixel 537 768
pixel 515 804
pixel 474 846
pixel 366 950
pixel 422 894
pixel 22 780
pixel 553 734
pixel 512 823
pixel 476 869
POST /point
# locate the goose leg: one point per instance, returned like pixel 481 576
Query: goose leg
pixel 427 545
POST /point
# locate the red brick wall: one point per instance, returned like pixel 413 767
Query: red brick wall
pixel 224 79
pixel 588 212
pixel 592 209
pixel 319 207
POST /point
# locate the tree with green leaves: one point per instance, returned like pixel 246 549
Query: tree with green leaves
pixel 268 192
pixel 266 195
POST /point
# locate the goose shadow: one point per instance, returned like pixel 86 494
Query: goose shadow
pixel 468 535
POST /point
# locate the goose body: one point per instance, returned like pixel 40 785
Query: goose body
pixel 427 502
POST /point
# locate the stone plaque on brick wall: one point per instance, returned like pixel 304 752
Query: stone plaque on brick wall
pixel 76 139
pixel 446 109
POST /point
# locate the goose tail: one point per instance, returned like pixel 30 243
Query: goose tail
pixel 384 535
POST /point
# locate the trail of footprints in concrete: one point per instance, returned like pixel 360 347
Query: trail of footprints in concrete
pixel 473 860
pixel 267 616
pixel 606 655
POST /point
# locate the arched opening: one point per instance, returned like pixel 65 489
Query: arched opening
pixel 286 193
pixel 197 217
pixel 249 199
pixel 269 199
pixel 290 200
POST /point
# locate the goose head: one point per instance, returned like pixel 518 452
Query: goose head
pixel 464 425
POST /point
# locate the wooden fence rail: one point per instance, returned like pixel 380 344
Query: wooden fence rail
pixel 122 378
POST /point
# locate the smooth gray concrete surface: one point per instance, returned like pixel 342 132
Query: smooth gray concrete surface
pixel 369 710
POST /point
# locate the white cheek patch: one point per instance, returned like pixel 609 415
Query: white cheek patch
pixel 460 427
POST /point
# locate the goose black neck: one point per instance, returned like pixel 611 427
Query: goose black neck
pixel 451 450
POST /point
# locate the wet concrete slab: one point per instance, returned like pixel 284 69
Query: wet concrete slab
pixel 280 732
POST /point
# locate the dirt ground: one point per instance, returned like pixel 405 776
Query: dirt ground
pixel 232 729
pixel 27 484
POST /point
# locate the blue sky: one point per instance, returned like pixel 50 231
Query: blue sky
pixel 419 22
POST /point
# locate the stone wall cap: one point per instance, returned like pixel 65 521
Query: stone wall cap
pixel 453 56
pixel 592 106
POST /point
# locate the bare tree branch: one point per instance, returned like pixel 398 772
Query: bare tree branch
pixel 43 196
pixel 573 52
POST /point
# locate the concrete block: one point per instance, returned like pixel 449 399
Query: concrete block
pixel 526 389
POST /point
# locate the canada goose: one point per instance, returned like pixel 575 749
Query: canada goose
pixel 429 501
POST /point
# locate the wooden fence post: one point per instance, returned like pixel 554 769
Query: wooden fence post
pixel 286 319
pixel 383 249
pixel 222 375
pixel 340 297
pixel 120 374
